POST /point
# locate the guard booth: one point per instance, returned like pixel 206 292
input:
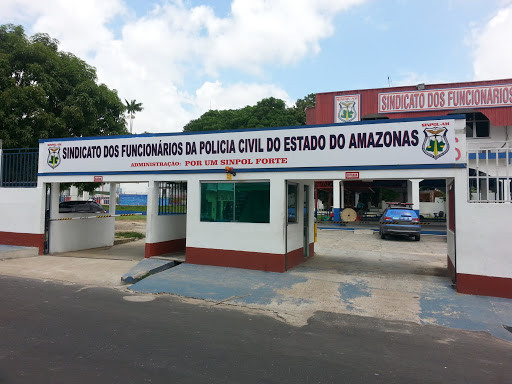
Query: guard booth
pixel 258 212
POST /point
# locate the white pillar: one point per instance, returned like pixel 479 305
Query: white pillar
pixel 336 194
pixel 356 199
pixel 413 193
pixel 336 200
pixel 152 210
pixel 112 199
pixel 55 200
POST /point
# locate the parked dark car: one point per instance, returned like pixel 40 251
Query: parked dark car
pixel 400 219
pixel 81 206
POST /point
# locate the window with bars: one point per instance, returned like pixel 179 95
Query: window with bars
pixel 172 199
pixel 490 173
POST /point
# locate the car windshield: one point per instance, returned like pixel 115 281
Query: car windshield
pixel 397 212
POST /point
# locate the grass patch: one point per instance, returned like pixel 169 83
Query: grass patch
pixel 132 218
pixel 139 208
pixel 130 235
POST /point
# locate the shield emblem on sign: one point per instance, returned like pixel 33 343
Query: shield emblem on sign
pixel 436 143
pixel 347 111
pixel 53 157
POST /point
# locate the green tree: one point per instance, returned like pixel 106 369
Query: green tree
pixel 301 105
pixel 131 108
pixel 46 93
pixel 269 112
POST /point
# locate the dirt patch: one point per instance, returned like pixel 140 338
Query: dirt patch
pixel 131 226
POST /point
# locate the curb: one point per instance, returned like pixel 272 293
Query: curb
pixel 145 268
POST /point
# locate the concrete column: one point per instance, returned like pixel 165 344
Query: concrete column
pixel 336 200
pixel 112 199
pixel 152 211
pixel 54 202
pixel 413 193
pixel 506 189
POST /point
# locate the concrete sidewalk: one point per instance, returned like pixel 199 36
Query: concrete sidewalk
pixel 296 295
pixel 15 252
pixel 353 272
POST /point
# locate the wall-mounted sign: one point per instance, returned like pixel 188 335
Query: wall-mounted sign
pixel 351 175
pixel 429 142
pixel 448 98
pixel 98 179
pixel 347 108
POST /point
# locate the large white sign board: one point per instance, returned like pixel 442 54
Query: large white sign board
pixel 426 142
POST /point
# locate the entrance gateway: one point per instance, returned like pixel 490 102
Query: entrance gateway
pixel 259 215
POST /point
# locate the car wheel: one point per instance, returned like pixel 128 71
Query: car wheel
pixel 382 235
pixel 417 237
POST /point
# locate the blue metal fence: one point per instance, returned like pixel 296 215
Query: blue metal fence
pixel 19 168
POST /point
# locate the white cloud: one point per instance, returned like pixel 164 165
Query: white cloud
pixel 79 26
pixel 175 58
pixel 492 48
pixel 213 95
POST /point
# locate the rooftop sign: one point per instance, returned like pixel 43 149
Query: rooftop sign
pixel 429 143
pixel 447 98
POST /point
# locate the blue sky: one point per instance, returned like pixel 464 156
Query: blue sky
pixel 180 58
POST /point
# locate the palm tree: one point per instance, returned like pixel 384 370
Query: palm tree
pixel 131 108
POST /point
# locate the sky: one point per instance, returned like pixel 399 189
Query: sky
pixel 180 58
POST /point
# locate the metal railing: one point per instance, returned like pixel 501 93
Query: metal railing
pixel 18 167
pixel 489 172
pixel 172 199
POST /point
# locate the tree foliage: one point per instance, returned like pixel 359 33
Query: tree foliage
pixel 131 108
pixel 269 112
pixel 46 93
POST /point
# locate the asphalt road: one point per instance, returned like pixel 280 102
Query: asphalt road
pixel 52 333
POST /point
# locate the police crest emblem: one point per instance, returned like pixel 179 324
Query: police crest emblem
pixel 53 157
pixel 435 143
pixel 347 111
pixel 347 108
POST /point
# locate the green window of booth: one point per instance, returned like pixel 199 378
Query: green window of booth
pixel 235 202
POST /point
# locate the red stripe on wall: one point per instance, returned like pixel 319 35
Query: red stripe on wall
pixel 484 285
pixel 270 262
pixel 23 240
pixel 163 247
pixel 296 257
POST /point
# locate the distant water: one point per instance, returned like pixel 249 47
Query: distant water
pixel 129 199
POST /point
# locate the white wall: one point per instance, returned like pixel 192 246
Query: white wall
pixel 484 239
pixel 161 228
pixel 166 227
pixel 427 208
pixel 22 210
pixel 73 235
